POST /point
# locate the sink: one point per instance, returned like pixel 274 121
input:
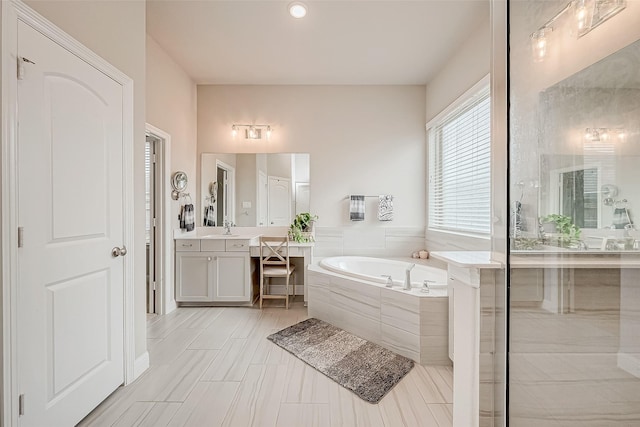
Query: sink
pixel 220 236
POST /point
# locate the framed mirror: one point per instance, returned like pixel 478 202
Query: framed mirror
pixel 254 189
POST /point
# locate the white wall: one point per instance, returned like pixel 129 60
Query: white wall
pixel 361 140
pixel 115 30
pixel 465 68
pixel 171 106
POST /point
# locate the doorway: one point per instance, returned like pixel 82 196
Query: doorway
pixel 152 213
pixel 159 295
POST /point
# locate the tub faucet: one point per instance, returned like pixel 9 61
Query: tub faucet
pixel 389 283
pixel 407 279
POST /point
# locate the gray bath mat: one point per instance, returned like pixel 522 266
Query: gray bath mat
pixel 363 367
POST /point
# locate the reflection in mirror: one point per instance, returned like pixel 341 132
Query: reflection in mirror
pixel 571 188
pixel 254 189
pixel 588 144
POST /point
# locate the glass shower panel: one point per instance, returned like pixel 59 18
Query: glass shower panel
pixel 574 261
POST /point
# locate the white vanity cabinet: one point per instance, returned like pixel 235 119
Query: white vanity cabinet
pixel 213 270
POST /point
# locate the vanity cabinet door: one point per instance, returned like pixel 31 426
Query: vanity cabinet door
pixel 233 278
pixel 195 273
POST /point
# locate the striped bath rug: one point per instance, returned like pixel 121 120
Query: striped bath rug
pixel 361 366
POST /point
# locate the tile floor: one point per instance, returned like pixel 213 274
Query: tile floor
pixel 214 367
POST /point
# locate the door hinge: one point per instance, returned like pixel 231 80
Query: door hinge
pixel 21 404
pixel 154 285
pixel 21 62
pixel 155 222
pixel 155 158
pixel 20 237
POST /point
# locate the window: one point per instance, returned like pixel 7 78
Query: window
pixel 460 164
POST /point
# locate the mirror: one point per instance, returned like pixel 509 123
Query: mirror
pixel 254 189
pixel 572 188
pixel 588 143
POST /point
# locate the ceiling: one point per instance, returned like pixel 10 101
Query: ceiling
pixel 357 42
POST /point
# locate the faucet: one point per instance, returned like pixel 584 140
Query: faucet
pixel 425 285
pixel 227 228
pixel 389 283
pixel 407 279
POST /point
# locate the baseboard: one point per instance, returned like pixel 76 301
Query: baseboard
pixel 141 364
pixel 170 306
pixel 629 362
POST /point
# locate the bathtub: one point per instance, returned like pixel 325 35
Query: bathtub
pixel 350 293
pixel 373 269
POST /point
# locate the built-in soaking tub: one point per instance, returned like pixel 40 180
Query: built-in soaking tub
pixel 350 292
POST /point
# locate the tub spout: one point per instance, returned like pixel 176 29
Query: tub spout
pixel 407 279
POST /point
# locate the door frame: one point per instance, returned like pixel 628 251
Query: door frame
pixel 13 11
pixel 165 299
pixel 230 191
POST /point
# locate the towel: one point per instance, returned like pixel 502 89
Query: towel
pixel 356 208
pixel 385 207
pixel 189 218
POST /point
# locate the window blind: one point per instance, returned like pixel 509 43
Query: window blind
pixel 460 167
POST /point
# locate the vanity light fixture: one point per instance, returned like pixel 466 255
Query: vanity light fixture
pixel 539 43
pixel 604 134
pixel 297 9
pixel 588 14
pixel 251 131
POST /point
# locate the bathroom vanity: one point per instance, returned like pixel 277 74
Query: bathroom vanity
pixel 218 269
pixel 214 269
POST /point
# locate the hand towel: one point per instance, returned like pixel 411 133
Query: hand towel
pixel 356 208
pixel 189 218
pixel 385 207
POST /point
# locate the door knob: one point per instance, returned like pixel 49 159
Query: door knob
pixel 116 252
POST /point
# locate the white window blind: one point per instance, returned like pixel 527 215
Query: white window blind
pixel 460 166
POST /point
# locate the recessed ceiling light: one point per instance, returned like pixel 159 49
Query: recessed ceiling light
pixel 297 9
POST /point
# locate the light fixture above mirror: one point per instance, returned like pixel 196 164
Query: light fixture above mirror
pixel 588 14
pixel 251 131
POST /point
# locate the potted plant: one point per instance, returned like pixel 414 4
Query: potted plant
pixel 562 225
pixel 301 229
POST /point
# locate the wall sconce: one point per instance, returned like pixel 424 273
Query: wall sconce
pixel 604 134
pixel 252 131
pixel 588 15
pixel 539 43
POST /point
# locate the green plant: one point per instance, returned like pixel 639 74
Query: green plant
pixel 564 226
pixel 301 227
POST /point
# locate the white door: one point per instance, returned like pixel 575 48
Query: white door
pixel 70 196
pixel 303 197
pixel 263 198
pixel 279 201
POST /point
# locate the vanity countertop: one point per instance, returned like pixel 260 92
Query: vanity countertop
pixel 467 259
pixel 575 259
pixel 250 233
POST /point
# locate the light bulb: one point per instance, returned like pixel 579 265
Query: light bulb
pixel 582 17
pixel 297 10
pixel 539 44
pixel 234 131
pixel 268 132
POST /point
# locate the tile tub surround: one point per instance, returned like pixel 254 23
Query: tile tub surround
pixel 412 324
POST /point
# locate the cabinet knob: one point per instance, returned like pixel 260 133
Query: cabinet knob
pixel 209 259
